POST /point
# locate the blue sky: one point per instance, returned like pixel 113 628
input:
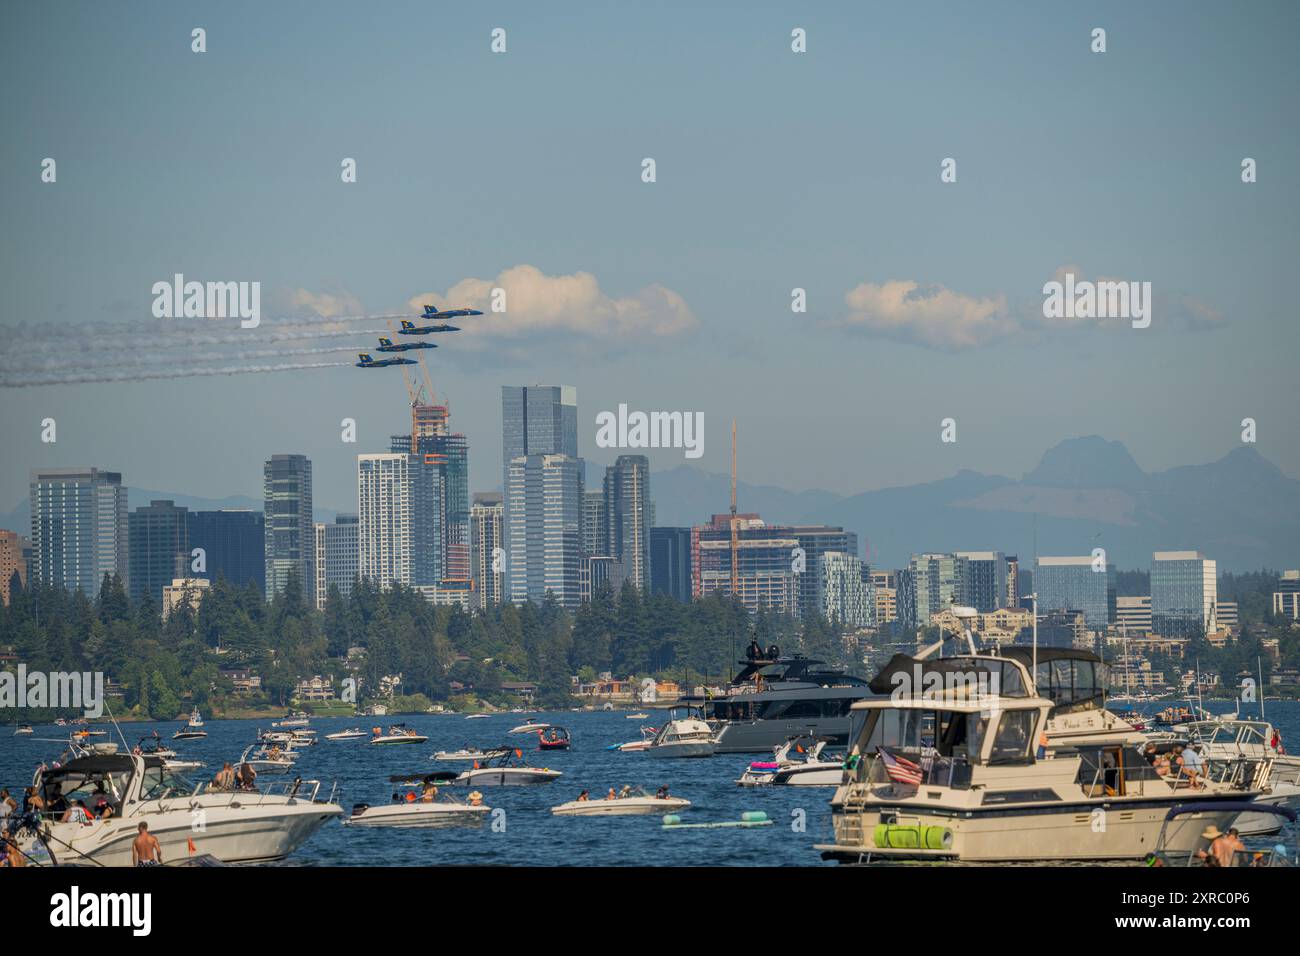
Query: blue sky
pixel 775 170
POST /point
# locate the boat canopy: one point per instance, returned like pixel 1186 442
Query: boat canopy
pixel 437 776
pixel 1005 676
pixel 99 763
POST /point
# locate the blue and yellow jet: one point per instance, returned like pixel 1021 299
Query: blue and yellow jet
pixel 410 328
pixel 386 345
pixel 432 313
pixel 368 362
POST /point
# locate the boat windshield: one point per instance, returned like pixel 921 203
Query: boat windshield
pixel 157 782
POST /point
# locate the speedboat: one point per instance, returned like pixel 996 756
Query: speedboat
pixel 24 731
pixel 950 768
pixel 1249 754
pixel 636 803
pixel 193 729
pixel 354 734
pixel 397 734
pixel 509 769
pixel 687 736
pixel 783 770
pixel 1279 855
pixel 468 753
pixel 439 811
pixel 152 746
pixel 529 727
pixel 293 720
pixel 553 738
pixel 238 826
pixel 647 736
pixel 266 759
pixel 637 716
pixel 476 716
pixel 177 764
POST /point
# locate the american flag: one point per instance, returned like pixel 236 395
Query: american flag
pixel 900 769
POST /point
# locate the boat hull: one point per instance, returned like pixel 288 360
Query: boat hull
pixel 417 815
pixel 627 806
pixel 681 750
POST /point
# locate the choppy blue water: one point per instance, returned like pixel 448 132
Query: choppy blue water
pixel 531 835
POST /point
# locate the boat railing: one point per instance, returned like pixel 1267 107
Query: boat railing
pixel 305 790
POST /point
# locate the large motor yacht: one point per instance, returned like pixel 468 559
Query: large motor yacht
pixel 951 766
pixel 774 698
pixel 238 826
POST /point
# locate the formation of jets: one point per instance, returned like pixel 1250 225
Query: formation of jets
pixel 410 328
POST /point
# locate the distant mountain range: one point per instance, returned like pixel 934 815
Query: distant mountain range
pixel 1085 492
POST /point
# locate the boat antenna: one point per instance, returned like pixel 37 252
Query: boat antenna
pixel 116 725
pixel 1259 663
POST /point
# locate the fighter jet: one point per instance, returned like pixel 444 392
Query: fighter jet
pixel 368 362
pixel 410 328
pixel 431 313
pixel 386 345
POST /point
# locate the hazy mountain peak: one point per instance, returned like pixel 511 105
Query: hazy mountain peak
pixel 1087 462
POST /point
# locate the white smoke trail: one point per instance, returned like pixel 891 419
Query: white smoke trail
pixel 131 360
pixel 171 340
pixel 78 376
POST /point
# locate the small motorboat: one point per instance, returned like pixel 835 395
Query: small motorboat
pixel 293 720
pixel 476 716
pixel 468 753
pixel 416 811
pixel 784 770
pixel 179 764
pixel 647 736
pixel 529 727
pixel 637 716
pixel 152 746
pixel 553 738
pixel 24 731
pixel 193 729
pixel 686 736
pixel 397 734
pixel 268 759
pixel 507 770
pixel 354 734
pixel 634 803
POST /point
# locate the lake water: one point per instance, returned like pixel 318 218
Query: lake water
pixel 531 835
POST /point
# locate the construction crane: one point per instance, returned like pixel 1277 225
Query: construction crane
pixel 735 564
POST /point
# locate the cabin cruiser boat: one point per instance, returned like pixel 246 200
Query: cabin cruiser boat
pixel 635 803
pixel 437 812
pixel 685 736
pixel 397 734
pixel 1249 754
pixel 950 769
pixel 355 733
pixel 469 753
pixel 238 826
pixel 507 769
pixel 782 770
pixel 773 698
pixel 193 729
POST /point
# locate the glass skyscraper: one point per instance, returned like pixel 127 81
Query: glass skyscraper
pixel 1184 590
pixel 233 543
pixel 1069 583
pixel 289 531
pixel 160 548
pixel 670 562
pixel 385 509
pixel 544 497
pixel 627 516
pixel 79 528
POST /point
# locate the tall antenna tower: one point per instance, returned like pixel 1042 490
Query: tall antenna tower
pixel 735 563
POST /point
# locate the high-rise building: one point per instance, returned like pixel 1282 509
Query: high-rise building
pixel 765 576
pixel 441 481
pixel 544 498
pixel 1133 614
pixel 670 562
pixel 336 556
pixel 11 562
pixel 599 571
pixel 1076 583
pixel 233 543
pixel 290 532
pixel 160 549
pixel 538 420
pixel 595 524
pixel 79 528
pixel 844 592
pixel 1184 589
pixel 816 540
pixel 983 580
pixel 627 507
pixel 1013 581
pixel 934 583
pixel 385 512
pixel 1286 596
pixel 487 553
pixel 424 473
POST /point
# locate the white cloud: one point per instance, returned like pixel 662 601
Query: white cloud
pixel 572 306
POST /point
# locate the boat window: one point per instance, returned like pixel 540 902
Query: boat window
pixel 157 781
pixel 1014 734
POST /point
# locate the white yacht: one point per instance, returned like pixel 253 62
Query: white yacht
pixel 397 734
pixel 238 826
pixel 1249 753
pixel 507 769
pixel 468 753
pixel 948 767
pixel 193 729
pixel 267 759
pixel 687 736
pixel 356 733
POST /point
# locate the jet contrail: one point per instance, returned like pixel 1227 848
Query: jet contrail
pixel 156 342
pixel 80 377
pixel 88 363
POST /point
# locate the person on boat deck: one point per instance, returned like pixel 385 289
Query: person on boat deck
pixel 476 799
pixel 430 792
pixel 1149 754
pixel 58 802
pixel 225 778
pixel 32 801
pixel 754 651
pixel 611 795
pixel 10 855
pixel 1191 765
pixel 1223 846
pixel 584 796
pixel 625 792
pixel 145 848
pixel 247 777
pixel 662 793
pixel 77 813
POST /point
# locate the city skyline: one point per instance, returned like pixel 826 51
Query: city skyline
pixel 632 291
